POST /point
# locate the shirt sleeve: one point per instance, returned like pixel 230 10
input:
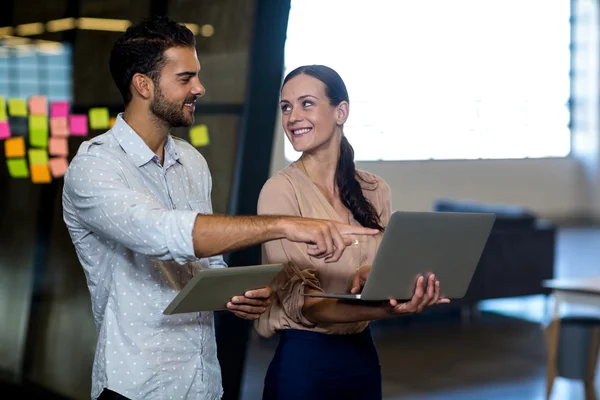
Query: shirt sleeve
pixel 214 261
pixel 278 198
pixel 96 196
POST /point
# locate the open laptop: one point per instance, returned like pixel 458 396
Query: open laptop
pixel 448 244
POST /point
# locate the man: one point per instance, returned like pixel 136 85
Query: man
pixel 137 205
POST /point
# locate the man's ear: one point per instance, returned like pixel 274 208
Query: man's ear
pixel 342 111
pixel 142 85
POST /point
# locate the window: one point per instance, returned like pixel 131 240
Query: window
pixel 32 70
pixel 439 79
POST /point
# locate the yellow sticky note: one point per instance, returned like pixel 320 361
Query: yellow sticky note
pixel 38 130
pixel 17 168
pixel 38 157
pixel 3 116
pixel 17 107
pixel 40 174
pixel 99 118
pixel 14 147
pixel 199 136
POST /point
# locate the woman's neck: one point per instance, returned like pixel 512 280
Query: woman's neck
pixel 321 167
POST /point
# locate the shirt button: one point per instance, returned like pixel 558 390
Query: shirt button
pixel 355 242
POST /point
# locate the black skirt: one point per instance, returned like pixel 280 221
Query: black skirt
pixel 310 365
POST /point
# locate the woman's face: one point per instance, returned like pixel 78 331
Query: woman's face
pixel 309 120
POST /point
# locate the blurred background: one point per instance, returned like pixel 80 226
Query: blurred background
pixel 460 105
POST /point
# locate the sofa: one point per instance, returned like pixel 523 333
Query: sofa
pixel 518 256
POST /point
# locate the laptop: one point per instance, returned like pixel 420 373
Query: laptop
pixel 448 244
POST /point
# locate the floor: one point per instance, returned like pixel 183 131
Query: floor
pixel 499 355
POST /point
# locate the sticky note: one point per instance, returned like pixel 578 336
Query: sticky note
pixel 112 121
pixel 58 166
pixel 199 136
pixel 17 107
pixel 3 116
pixel 58 147
pixel 40 174
pixel 17 168
pixel 14 147
pixel 78 125
pixel 59 126
pixel 99 118
pixel 4 130
pixel 38 157
pixel 38 105
pixel 59 109
pixel 38 130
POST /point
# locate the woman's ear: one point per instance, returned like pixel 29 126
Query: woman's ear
pixel 342 111
pixel 142 85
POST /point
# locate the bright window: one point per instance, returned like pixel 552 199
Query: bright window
pixel 439 79
pixel 31 71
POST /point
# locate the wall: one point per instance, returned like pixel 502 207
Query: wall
pixel 554 188
pixel 560 189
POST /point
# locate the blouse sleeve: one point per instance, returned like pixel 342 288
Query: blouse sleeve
pixel 279 198
pixel 385 196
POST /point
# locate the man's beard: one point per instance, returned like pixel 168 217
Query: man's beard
pixel 170 112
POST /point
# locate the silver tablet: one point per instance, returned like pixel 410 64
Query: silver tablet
pixel 212 289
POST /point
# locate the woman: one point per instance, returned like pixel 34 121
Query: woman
pixel 326 350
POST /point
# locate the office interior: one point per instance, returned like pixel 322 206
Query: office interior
pixel 460 105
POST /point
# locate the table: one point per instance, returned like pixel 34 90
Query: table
pixel 584 291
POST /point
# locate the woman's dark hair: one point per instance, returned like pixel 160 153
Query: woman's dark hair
pixel 141 49
pixel 346 177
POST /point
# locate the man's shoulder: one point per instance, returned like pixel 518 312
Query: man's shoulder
pixel 101 145
pixel 99 153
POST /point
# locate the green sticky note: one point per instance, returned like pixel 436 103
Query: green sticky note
pixel 38 157
pixel 17 107
pixel 17 168
pixel 199 136
pixel 38 130
pixel 3 116
pixel 99 118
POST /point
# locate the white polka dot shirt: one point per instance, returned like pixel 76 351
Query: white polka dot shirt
pixel 130 219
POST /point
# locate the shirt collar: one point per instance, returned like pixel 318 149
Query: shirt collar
pixel 137 149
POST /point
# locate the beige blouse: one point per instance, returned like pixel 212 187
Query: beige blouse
pixel 291 192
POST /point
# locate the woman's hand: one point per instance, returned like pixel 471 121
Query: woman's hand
pixel 360 278
pixel 422 298
pixel 424 295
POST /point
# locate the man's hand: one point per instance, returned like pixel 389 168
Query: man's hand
pixel 252 304
pixel 421 299
pixel 325 238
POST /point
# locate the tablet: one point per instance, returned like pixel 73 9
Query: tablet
pixel 211 289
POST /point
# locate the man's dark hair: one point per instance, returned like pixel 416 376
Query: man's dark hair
pixel 141 49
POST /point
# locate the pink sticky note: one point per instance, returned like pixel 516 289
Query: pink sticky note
pixel 38 105
pixel 59 109
pixel 78 124
pixel 59 126
pixel 58 166
pixel 58 147
pixel 4 130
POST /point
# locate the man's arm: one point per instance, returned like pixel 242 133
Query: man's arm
pixel 98 197
pixel 216 234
